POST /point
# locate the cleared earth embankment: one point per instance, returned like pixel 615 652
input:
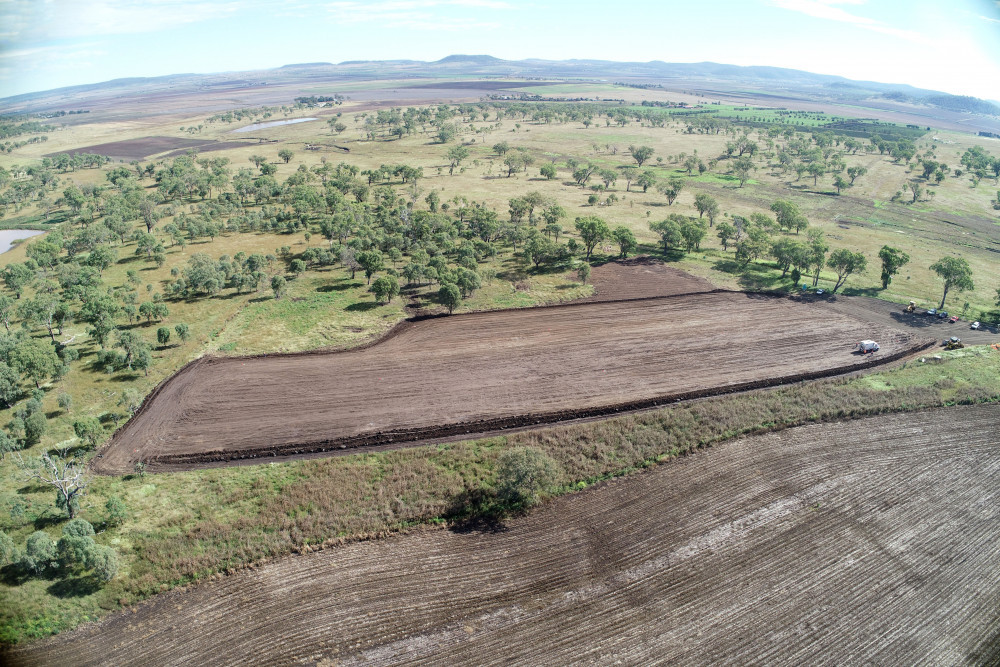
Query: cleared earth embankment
pixel 868 542
pixel 483 372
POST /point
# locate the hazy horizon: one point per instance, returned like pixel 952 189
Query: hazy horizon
pixel 953 49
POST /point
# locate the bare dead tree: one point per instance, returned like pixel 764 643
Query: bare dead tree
pixel 67 475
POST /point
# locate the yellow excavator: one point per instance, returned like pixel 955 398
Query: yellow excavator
pixel 912 307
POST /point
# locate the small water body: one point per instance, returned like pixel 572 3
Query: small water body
pixel 8 236
pixel 272 123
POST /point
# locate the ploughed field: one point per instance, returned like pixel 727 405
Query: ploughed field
pixel 484 372
pixel 875 541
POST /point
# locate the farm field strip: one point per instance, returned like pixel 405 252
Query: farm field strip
pixel 823 544
pixel 470 371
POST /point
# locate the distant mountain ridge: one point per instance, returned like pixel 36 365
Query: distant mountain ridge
pixel 770 79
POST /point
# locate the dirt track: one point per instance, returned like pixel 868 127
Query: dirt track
pixel 487 371
pixel 867 542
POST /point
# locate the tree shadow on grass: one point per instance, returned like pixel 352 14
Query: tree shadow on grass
pixel 361 306
pixel 334 288
pixel 475 511
pixel 862 291
pixel 74 587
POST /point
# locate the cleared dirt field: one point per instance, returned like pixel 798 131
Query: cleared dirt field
pixel 488 371
pixel 867 542
pixel 139 149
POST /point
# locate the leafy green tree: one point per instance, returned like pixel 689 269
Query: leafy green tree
pixel 35 360
pixel 371 262
pixel 10 385
pixel 6 311
pixel 693 230
pixel 163 336
pixel 640 153
pixel 455 155
pixel 726 233
pixel 35 426
pixel 856 172
pixel 646 180
pixel 706 203
pixel 65 401
pixel 449 296
pixel 840 183
pixel 893 260
pixel 384 288
pixel 742 168
pixel 522 473
pixel 670 233
pixel 548 172
pixel 278 286
pixel 137 354
pixel 625 239
pixel 286 155
pixel 89 430
pixel 592 231
pixel 755 244
pixel 102 257
pixel 16 277
pixel 845 263
pixel 672 189
pixel 956 273
pixel 182 331
pixel 583 273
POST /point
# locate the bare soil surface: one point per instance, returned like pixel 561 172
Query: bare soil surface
pixel 868 542
pixel 140 149
pixel 481 372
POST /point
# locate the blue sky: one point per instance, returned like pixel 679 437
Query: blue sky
pixel 950 45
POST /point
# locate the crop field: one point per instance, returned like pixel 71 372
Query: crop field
pixel 486 371
pixel 824 544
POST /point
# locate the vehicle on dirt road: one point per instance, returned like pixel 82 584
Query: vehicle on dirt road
pixel 953 319
pixel 942 314
pixel 867 346
pixel 932 312
pixel 974 325
pixel 952 343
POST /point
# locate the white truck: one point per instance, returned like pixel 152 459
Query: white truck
pixel 867 346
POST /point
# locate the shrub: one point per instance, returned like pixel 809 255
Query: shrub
pixel 117 511
pixel 39 552
pixel 8 552
pixel 104 563
pixel 522 473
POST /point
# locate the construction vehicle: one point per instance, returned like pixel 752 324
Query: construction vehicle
pixel 953 343
pixel 912 307
pixel 867 346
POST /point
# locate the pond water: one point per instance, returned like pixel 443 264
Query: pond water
pixel 272 123
pixel 8 236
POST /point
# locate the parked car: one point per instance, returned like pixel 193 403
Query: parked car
pixel 820 292
pixel 942 314
pixel 975 325
pixel 953 319
pixel 932 312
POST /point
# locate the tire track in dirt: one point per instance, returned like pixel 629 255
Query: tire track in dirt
pixel 875 541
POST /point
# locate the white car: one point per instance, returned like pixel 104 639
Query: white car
pixel 975 325
pixel 820 291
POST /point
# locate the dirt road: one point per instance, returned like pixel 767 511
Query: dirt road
pixel 867 542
